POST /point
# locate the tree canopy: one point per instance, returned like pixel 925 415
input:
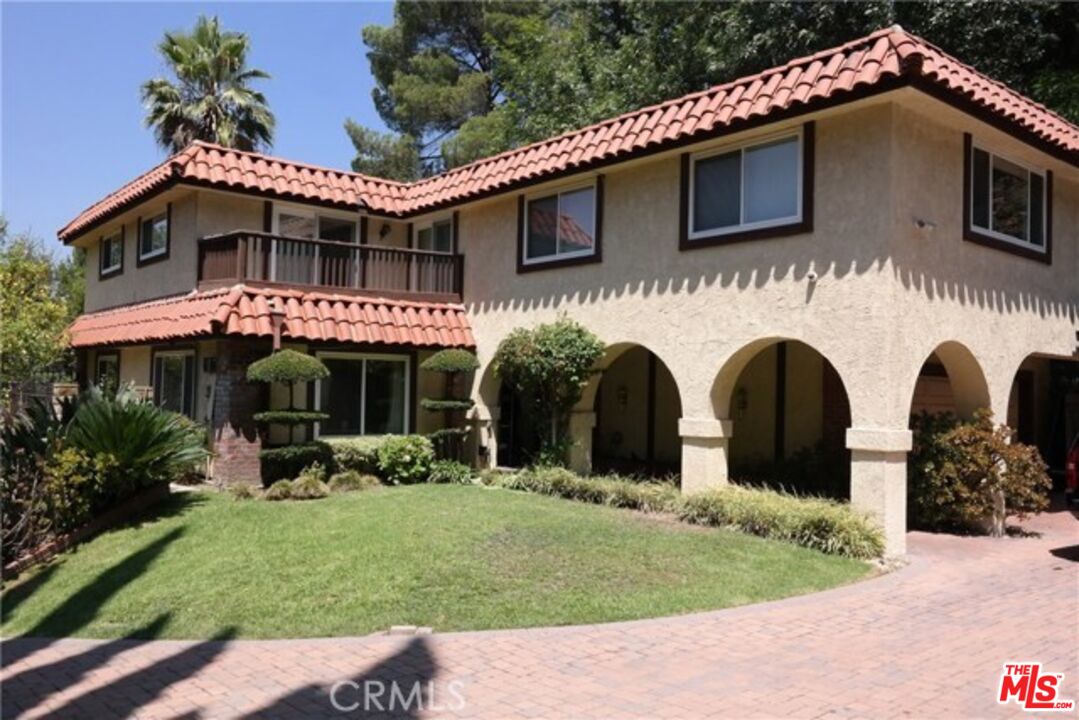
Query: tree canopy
pixel 211 98
pixel 459 81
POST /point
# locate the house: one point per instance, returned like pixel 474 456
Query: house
pixel 784 268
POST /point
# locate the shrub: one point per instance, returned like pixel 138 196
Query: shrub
pixel 614 491
pixel 243 492
pixel 352 481
pixel 280 490
pixel 358 454
pixel 969 476
pixel 150 445
pixel 404 459
pixel 308 487
pixel 816 523
pixel 315 470
pixel 450 472
pixel 287 366
pixel 452 360
pixel 289 417
pixel 548 367
pixel 286 462
pixel 78 485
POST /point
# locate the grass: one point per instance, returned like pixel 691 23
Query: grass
pixel 449 557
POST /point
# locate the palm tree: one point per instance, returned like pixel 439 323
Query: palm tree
pixel 211 99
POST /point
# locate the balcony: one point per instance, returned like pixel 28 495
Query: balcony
pixel 257 257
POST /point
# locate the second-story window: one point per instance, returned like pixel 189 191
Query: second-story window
pixel 112 254
pixel 560 226
pixel 154 237
pixel 756 186
pixel 437 237
pixel 1007 200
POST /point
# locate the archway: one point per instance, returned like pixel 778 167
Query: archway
pixel 790 413
pixel 637 407
pixel 950 381
pixel 1043 409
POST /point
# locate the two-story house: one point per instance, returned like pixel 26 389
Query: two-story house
pixel 783 266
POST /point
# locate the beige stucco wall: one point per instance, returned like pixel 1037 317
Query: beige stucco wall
pixel 621 406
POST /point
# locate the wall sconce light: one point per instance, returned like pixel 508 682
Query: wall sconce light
pixel 741 399
pixel 384 231
pixel 622 396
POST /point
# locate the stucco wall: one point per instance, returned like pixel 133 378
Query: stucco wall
pixel 621 406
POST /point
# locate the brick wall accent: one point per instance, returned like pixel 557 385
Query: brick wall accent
pixel 237 438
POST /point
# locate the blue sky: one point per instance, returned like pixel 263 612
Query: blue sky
pixel 71 116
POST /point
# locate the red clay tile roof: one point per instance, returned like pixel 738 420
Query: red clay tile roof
pixel 832 75
pixel 245 310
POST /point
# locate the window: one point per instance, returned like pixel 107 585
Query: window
pixel 437 237
pixel 174 381
pixel 154 236
pixel 112 254
pixel 310 225
pixel 364 394
pixel 754 187
pixel 107 372
pixel 562 225
pixel 1007 202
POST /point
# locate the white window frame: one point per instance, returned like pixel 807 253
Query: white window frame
pixel 142 224
pixel 113 357
pixel 116 237
pixel 558 192
pixel 429 224
pixel 1004 237
pixel 183 389
pixel 364 357
pixel 741 147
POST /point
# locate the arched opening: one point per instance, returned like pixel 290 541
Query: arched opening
pixel 950 381
pixel 637 407
pixel 1043 409
pixel 790 413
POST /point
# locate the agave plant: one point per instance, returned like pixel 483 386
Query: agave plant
pixel 148 443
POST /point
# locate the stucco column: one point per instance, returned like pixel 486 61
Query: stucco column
pixel 484 429
pixel 705 443
pixel 581 423
pixel 878 481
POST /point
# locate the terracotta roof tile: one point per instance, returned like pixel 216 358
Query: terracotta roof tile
pixel 246 310
pixel 834 73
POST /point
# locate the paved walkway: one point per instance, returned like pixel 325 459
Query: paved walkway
pixel 925 642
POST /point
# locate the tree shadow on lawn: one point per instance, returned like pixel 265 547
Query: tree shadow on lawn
pixel 401 686
pixel 82 607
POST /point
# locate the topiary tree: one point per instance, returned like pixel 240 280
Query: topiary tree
pixel 970 476
pixel 454 364
pixel 548 367
pixel 289 367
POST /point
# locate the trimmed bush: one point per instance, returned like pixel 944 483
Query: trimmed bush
pixel 434 405
pixel 287 462
pixel 359 454
pixel 404 459
pixel 287 366
pixel 352 481
pixel 450 472
pixel 817 523
pixel 289 417
pixel 308 487
pixel 280 490
pixel 452 360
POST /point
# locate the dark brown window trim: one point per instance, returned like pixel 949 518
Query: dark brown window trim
pixel 805 225
pixel 972 234
pixel 102 274
pixel 139 260
pixel 595 257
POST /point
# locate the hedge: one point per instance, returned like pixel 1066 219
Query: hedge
pixel 285 463
pixel 289 417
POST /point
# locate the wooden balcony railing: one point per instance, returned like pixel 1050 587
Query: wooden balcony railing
pixel 255 256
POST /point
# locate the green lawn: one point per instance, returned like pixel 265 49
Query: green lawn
pixel 449 557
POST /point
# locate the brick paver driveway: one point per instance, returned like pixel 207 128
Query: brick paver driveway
pixel 926 641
